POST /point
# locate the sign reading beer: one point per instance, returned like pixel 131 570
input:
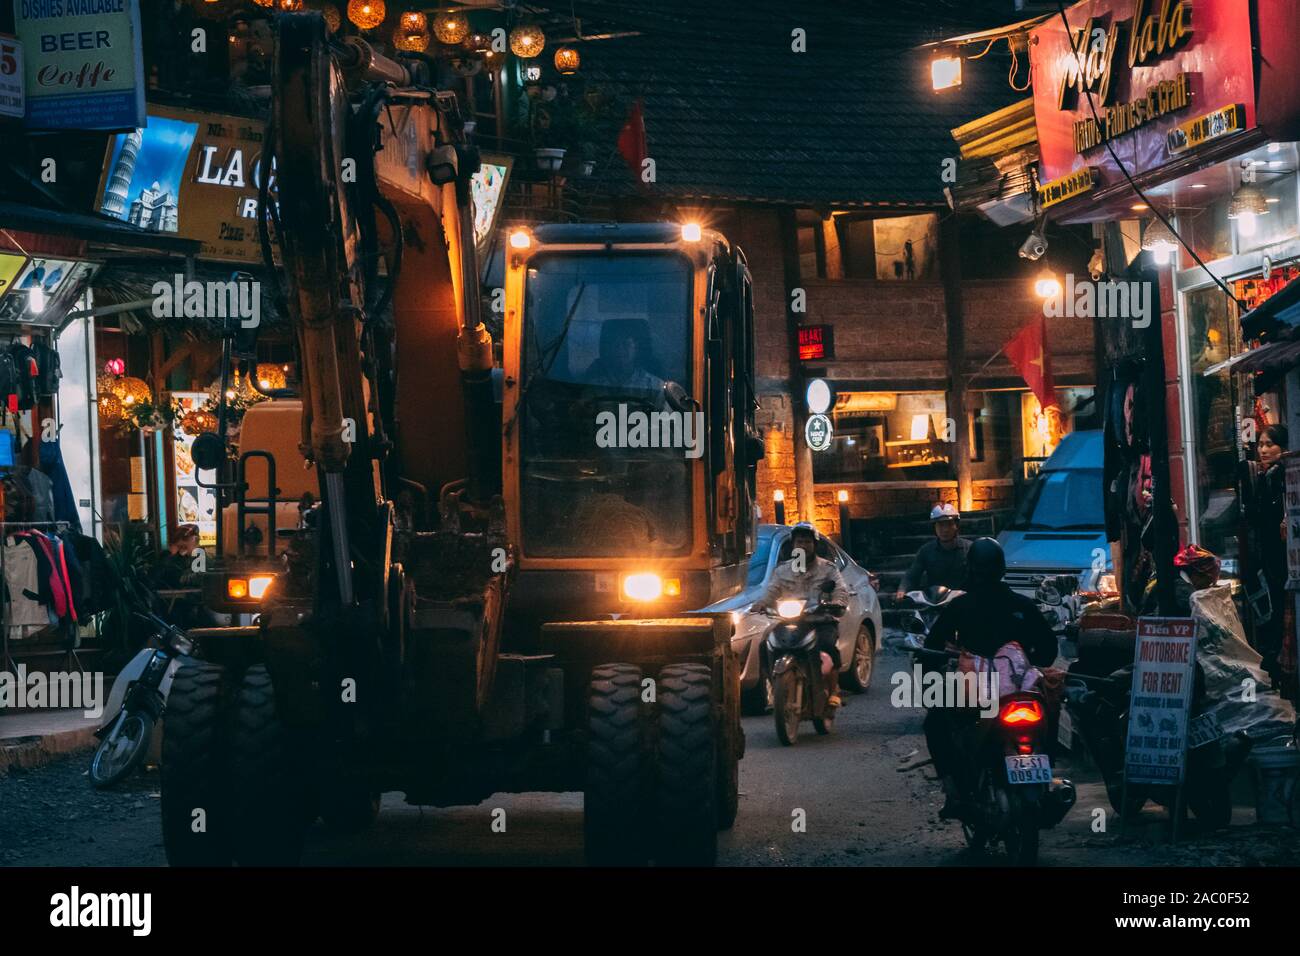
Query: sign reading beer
pixel 84 66
pixel 816 343
pixel 1129 70
pixel 192 174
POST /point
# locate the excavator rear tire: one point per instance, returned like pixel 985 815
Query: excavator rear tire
pixel 269 789
pixel 193 773
pixel 687 756
pixel 615 800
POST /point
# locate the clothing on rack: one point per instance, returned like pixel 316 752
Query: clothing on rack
pixel 63 501
pixel 26 612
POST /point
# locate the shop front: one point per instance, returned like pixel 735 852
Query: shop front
pixel 1179 133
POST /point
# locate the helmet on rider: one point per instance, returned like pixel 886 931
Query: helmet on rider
pixel 944 512
pixel 985 564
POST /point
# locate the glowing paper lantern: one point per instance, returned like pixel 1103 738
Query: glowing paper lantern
pixel 567 60
pixel 367 14
pixel 527 40
pixel 450 27
pixel 132 391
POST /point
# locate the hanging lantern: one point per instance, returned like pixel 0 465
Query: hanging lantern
pixel 450 27
pixel 367 14
pixel 104 383
pixel 333 19
pixel 479 43
pixel 271 376
pixel 132 391
pixel 527 40
pixel 289 6
pixel 411 42
pixel 110 407
pixel 264 3
pixel 197 422
pixel 567 60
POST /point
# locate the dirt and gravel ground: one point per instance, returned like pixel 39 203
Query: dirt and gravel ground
pixel 859 811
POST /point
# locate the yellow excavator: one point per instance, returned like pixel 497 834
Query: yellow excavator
pixel 491 589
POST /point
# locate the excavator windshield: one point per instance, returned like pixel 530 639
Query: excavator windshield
pixel 610 430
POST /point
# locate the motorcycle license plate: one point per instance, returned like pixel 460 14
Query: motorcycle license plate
pixel 1029 768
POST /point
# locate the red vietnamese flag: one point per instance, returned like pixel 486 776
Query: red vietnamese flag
pixel 1028 353
pixel 631 141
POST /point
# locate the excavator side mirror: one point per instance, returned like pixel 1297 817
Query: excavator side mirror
pixel 207 451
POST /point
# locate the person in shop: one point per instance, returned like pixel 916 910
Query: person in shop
pixel 174 571
pixel 1264 494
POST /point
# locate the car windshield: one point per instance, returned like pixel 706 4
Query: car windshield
pixel 1069 500
pixel 604 339
pixel 758 563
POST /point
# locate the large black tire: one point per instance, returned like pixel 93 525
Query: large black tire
pixel 687 763
pixel 108 766
pixel 269 791
pixel 194 768
pixel 731 747
pixel 615 812
pixel 348 807
pixel 858 677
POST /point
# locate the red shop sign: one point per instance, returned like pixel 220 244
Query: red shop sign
pixel 1150 66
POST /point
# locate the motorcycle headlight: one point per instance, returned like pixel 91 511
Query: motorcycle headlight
pixel 790 608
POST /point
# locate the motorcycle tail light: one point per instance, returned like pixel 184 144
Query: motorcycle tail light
pixel 1021 712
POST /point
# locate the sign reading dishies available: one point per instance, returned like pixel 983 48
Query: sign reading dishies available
pixel 84 66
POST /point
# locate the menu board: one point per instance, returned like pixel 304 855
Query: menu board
pixel 194 504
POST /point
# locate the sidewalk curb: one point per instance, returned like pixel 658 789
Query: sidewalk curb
pixel 35 751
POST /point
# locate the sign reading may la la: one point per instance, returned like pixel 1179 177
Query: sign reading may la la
pixel 84 64
pixel 1163 673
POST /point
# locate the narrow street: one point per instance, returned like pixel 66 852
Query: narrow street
pixel 860 811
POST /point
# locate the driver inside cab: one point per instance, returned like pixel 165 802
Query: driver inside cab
pixel 803 577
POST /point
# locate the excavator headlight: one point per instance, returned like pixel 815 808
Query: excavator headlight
pixel 646 586
pixel 258 585
pixel 691 232
pixel 520 239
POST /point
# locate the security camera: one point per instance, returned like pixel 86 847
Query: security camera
pixel 1033 247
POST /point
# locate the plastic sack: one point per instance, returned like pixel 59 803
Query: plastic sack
pixel 1012 667
pixel 1232 672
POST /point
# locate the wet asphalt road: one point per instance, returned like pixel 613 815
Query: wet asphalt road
pixel 859 811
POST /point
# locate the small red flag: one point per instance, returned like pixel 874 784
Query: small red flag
pixel 1028 353
pixel 631 140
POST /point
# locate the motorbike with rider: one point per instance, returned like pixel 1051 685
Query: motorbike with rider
pixel 941 562
pixel 996 774
pixel 809 593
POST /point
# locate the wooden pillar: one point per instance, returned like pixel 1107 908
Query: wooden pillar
pixel 803 469
pixel 950 270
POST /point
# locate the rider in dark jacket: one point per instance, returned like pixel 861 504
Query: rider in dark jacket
pixel 980 621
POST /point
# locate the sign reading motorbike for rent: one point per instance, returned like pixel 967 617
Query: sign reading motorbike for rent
pixel 1163 673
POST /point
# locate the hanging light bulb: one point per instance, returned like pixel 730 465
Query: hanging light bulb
pixel 1248 203
pixel 412 21
pixel 36 300
pixel 567 60
pixel 450 27
pixel 333 19
pixel 527 40
pixel 289 6
pixel 367 14
pixel 1160 241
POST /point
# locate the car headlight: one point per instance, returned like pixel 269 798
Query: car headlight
pixel 790 608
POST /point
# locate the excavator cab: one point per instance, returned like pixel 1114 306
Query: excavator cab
pixel 628 410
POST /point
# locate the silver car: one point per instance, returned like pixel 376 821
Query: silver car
pixel 860 627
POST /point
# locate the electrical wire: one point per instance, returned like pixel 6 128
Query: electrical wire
pixel 1060 8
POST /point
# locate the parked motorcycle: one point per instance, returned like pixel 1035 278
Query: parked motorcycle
pixel 1099 708
pixel 800 690
pixel 1009 793
pixel 136 703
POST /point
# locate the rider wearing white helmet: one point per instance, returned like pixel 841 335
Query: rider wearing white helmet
pixel 941 561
